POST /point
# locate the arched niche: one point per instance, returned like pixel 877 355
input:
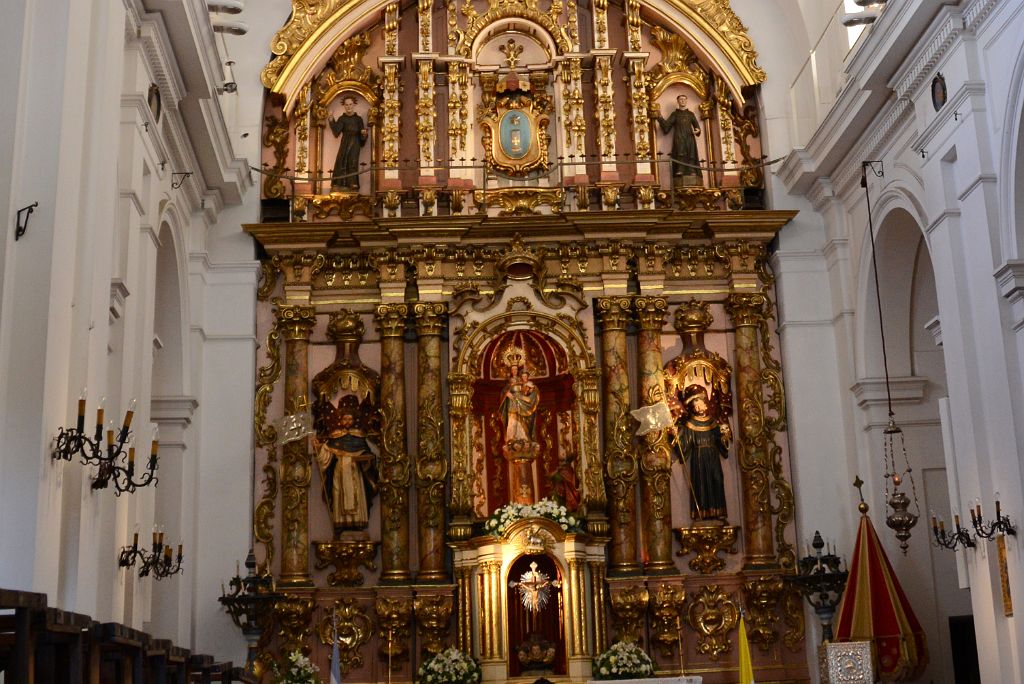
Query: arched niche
pixel 573 362
pixel 897 241
pixel 532 631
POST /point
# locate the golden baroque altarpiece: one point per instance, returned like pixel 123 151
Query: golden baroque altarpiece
pixel 517 389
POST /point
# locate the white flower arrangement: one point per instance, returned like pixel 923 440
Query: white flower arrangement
pixel 449 667
pixel 624 660
pixel 500 520
pixel 298 670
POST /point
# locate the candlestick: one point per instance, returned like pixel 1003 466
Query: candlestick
pixel 135 541
pixel 99 411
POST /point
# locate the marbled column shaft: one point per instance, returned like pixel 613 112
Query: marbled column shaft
pixel 620 459
pixel 655 457
pixel 296 324
pixel 747 312
pixel 395 468
pixel 431 462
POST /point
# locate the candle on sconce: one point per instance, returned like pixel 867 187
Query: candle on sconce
pixel 81 411
pixel 160 539
pixel 131 456
pixel 156 442
pixel 956 521
pixel 154 535
pixel 135 541
pixel 179 552
pixel 128 416
pixel 100 410
pixel 942 525
pixel 935 523
pixel 999 509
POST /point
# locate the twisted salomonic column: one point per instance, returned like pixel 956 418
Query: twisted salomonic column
pixel 655 458
pixel 620 460
pixel 431 464
pixel 748 312
pixel 395 469
pixel 295 323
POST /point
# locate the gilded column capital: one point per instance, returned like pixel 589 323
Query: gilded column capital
pixel 391 319
pixel 747 309
pixel 430 317
pixel 650 312
pixel 460 393
pixel 615 312
pixel 295 321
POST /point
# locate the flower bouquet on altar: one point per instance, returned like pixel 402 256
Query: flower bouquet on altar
pixel 449 667
pixel 624 660
pixel 297 670
pixel 499 521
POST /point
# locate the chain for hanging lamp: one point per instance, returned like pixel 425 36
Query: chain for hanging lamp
pixel 902 511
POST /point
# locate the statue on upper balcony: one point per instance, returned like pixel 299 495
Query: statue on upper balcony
pixel 352 134
pixel 683 125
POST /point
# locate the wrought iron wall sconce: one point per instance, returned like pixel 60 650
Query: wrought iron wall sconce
pixel 1000 525
pixel 159 562
pixel 179 177
pixel 821 580
pixel 108 456
pixel 951 540
pixel 250 603
pixel 21 224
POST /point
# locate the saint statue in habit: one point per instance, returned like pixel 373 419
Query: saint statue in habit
pixel 682 124
pixel 351 131
pixel 702 441
pixel 347 466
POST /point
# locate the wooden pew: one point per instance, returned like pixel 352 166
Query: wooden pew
pixel 17 636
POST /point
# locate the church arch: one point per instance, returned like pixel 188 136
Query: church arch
pixel 1011 167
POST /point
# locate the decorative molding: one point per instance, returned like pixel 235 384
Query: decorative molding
pixel 934 328
pixel 906 390
pixel 1010 280
pixel 173 409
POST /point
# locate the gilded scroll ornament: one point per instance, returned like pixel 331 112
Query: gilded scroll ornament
pixel 266 377
pixel 394 618
pixel 724 22
pixel 502 9
pixel 713 614
pixel 263 514
pixel 348 624
pixel 633 24
pixel 793 615
pixel 306 17
pixel 344 205
pixel 346 556
pixel 628 606
pixel 293 615
pixel 275 137
pixel 433 613
pixel 707 542
pixel 761 597
pixel 425 112
pixel 521 201
pixel 270 271
pixel 391 29
pixel 678 64
pixel 667 603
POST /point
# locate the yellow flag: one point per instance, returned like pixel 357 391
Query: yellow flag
pixel 746 667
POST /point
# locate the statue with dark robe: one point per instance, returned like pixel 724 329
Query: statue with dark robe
pixel 349 474
pixel 702 441
pixel 682 124
pixel 351 131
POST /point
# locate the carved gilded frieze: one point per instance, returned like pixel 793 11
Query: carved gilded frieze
pixel 678 64
pixel 707 542
pixel 520 201
pixel 266 378
pixel 394 620
pixel 348 625
pixel 629 604
pixel 723 21
pixel 761 597
pixel 666 605
pixel 503 9
pixel 293 615
pixel 433 614
pixel 713 614
pixel 346 556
